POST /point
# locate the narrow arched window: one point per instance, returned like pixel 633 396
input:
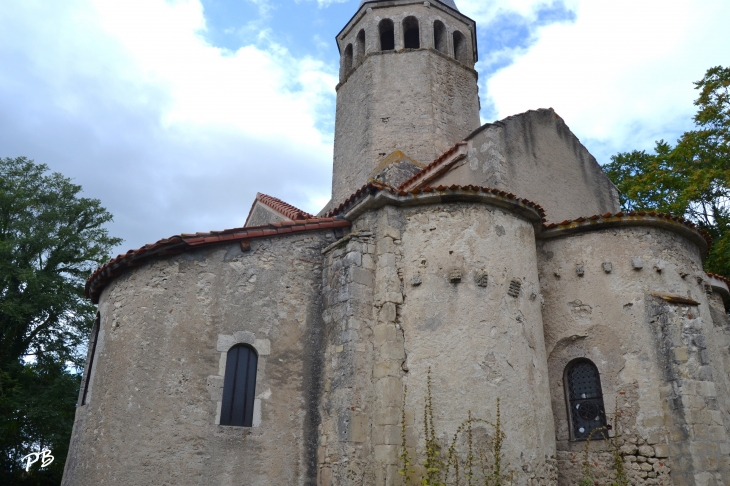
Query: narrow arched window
pixel 347 59
pixel 239 386
pixel 360 47
pixel 411 35
pixel 460 48
pixel 439 37
pixel 387 35
pixel 585 399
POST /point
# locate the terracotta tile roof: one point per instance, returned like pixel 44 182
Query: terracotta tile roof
pixel 185 242
pixel 721 278
pixel 630 216
pixel 431 169
pixel 372 188
pixel 285 209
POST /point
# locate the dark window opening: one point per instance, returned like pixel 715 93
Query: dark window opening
pixel 439 37
pixel 347 59
pixel 387 35
pixel 360 47
pixel 92 353
pixel 585 400
pixel 239 386
pixel 411 35
pixel 460 49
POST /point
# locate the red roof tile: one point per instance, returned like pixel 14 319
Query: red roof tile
pixel 285 209
pixel 422 175
pixel 372 188
pixel 633 215
pixel 186 241
pixel 721 278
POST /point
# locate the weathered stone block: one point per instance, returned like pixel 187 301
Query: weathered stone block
pixel 680 355
pixel 386 368
pixel 389 392
pixel 387 312
pixel 386 454
pixel 646 451
pixel 392 350
pixel 388 416
pixel 387 435
pixel 661 450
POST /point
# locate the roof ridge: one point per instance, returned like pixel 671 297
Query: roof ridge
pixel 423 172
pixel 180 243
pixel 372 187
pixel 281 207
pixel 632 215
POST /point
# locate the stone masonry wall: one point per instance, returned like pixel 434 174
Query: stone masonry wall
pixel 536 156
pixel 394 308
pixel 152 412
pixel 421 101
pixel 619 298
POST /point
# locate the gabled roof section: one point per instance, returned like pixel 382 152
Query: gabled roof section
pixel 185 242
pixel 436 168
pixel 286 210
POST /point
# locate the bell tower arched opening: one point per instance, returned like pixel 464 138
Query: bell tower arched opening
pixel 411 33
pixel 387 35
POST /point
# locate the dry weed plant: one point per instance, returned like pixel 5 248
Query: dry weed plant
pixel 481 464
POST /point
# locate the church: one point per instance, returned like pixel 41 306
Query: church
pixel 458 271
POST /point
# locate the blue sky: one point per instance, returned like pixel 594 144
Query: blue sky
pixel 176 112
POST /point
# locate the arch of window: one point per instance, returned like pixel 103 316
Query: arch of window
pixel 585 399
pixel 411 33
pixel 460 47
pixel 347 59
pixel 360 46
pixel 439 37
pixel 239 386
pixel 387 35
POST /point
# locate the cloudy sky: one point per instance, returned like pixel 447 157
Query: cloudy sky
pixel 174 113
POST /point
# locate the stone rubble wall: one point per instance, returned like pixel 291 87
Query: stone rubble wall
pixel 608 298
pixel 394 308
pixel 152 412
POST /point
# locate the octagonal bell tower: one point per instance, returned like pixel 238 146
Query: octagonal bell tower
pixel 407 83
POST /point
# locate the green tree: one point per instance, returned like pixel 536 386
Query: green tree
pixel 693 177
pixel 50 240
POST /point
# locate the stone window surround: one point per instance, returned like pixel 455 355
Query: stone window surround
pixel 215 382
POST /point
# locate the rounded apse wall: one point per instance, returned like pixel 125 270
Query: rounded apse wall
pixel 630 299
pixel 472 315
pixel 153 408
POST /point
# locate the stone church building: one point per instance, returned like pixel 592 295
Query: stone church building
pixel 495 256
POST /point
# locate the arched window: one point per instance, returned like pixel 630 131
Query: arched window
pixel 439 37
pixel 387 35
pixel 460 48
pixel 239 386
pixel 411 35
pixel 360 47
pixel 585 399
pixel 347 59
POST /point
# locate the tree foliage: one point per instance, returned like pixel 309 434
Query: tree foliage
pixel 50 240
pixel 691 178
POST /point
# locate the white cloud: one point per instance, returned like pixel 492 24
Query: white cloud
pixel 620 75
pixel 172 134
pixel 485 12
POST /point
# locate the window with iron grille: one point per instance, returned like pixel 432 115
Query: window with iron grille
pixel 239 386
pixel 585 400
